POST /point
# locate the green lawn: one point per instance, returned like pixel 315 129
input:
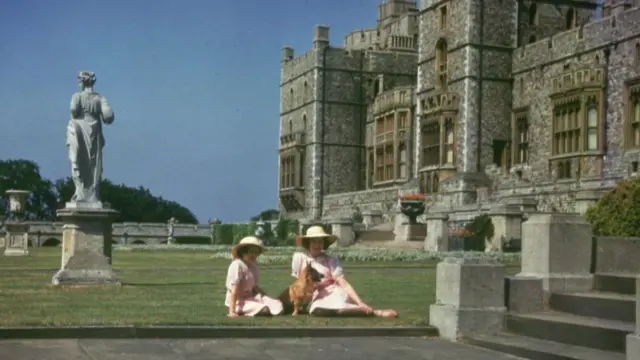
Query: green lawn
pixel 187 287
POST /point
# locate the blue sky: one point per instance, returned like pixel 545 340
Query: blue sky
pixel 194 84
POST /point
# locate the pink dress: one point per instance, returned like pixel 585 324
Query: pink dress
pixel 332 297
pixel 246 277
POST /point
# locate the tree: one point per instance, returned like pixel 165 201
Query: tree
pixel 21 174
pixel 134 204
pixel 266 215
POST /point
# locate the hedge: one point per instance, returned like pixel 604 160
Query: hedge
pixel 230 234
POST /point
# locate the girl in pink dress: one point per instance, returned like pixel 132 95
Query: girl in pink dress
pixel 334 296
pixel 244 296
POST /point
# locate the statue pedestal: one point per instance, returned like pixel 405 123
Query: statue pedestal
pixel 86 246
pixel 16 239
pixel 411 232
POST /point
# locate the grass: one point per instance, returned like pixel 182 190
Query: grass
pixel 187 288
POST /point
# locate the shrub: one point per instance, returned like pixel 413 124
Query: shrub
pixel 617 213
pixel 282 255
pixel 286 232
pixel 479 230
pixel 230 234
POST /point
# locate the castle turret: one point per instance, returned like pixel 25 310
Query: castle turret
pixel 321 37
pixel 287 53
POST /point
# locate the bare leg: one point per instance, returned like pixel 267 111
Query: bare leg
pixel 296 307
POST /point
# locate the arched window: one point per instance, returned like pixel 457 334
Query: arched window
pixel 532 39
pixel 570 18
pixel 290 126
pixel 592 128
pixel 304 122
pixel 441 63
pixel 533 14
pixel 377 89
pixel 637 54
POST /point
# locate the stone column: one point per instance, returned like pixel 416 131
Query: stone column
pixel 585 199
pixel 17 235
pixel 86 246
pixel 507 224
pixel 398 220
pixel 343 229
pixel 371 218
pixel 557 248
pixel 469 298
pixel 437 238
pixel 633 340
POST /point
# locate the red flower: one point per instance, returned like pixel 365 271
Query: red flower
pixel 420 197
pixel 462 232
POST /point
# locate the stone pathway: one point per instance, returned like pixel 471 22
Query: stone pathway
pixel 236 349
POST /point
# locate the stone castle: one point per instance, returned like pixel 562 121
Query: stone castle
pixel 471 102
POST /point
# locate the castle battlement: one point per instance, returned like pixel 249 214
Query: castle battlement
pixel 589 37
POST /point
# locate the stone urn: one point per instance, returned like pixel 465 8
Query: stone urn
pixel 17 202
pixel 412 206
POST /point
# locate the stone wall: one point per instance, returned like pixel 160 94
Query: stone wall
pixel 149 233
pixel 347 204
pixel 536 64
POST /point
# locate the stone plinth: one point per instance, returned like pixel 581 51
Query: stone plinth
pixel 585 199
pixel 469 298
pixel 437 238
pixel 16 238
pixel 86 247
pixel 633 340
pixel 507 224
pixel 343 229
pixel 398 221
pixel 371 218
pixel 556 247
pixel 411 232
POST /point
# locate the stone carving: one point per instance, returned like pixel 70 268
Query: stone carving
pixel 85 139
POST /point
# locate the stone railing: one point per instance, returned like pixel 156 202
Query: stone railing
pixel 41 232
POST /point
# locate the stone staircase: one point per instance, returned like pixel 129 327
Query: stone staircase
pixel 574 326
pixel 382 236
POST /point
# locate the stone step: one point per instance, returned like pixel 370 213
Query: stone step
pixel 602 305
pixel 537 349
pixel 375 235
pixel 608 335
pixel 616 282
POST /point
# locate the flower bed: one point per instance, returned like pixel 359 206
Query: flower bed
pixel 282 255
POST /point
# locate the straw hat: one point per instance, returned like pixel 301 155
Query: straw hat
pixel 316 232
pixel 247 241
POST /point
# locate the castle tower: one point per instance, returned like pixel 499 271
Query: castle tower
pixel 464 102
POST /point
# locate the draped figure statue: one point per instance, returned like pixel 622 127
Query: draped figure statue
pixel 85 139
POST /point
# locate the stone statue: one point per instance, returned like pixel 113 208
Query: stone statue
pixel 85 139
